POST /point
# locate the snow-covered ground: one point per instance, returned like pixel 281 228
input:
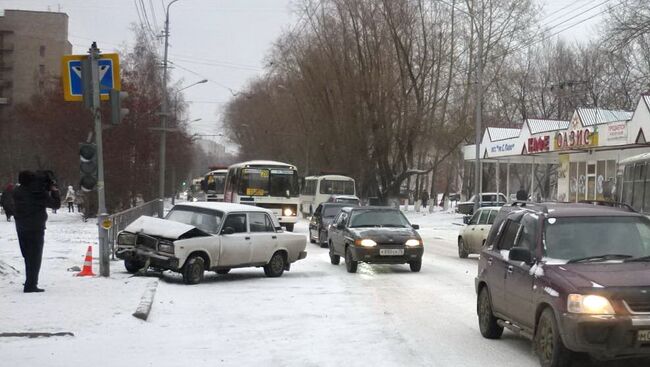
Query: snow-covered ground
pixel 315 315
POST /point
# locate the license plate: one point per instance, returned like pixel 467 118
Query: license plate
pixel 643 336
pixel 391 251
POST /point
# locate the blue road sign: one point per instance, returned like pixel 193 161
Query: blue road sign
pixel 109 76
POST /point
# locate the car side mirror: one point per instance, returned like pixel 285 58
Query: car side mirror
pixel 521 254
pixel 288 193
pixel 415 226
pixel 228 230
pixel 466 219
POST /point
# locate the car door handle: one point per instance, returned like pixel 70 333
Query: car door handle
pixel 482 229
pixel 510 269
pixel 247 238
pixel 274 237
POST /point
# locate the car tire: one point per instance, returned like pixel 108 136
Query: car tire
pixel 311 240
pixel 487 322
pixel 276 265
pixel 350 265
pixel 322 239
pixel 416 265
pixel 193 270
pixel 462 253
pixel 223 271
pixel 132 266
pixel 548 344
pixel 334 259
pixel 289 227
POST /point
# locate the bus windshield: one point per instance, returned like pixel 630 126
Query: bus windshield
pixel 337 187
pixel 268 182
pixel 216 182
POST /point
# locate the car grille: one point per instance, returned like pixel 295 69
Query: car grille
pixel 638 306
pixel 147 241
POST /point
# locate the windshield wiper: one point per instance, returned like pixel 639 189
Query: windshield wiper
pixel 599 258
pixel 640 258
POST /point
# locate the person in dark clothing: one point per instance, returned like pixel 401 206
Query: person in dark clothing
pixel 425 198
pixel 7 201
pixel 522 195
pixel 37 191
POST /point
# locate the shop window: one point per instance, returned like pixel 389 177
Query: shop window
pixel 601 180
pixel 591 169
pixel 573 181
pixel 582 180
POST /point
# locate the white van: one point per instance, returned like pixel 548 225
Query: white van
pixel 319 189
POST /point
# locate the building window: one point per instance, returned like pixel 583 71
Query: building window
pixel 41 69
pixel 41 85
pixel 42 51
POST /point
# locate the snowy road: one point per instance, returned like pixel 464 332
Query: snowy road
pixel 315 315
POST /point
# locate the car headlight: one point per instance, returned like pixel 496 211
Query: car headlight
pixel 166 246
pixel 589 304
pixel 288 212
pixel 126 238
pixel 195 199
pixel 365 243
pixel 413 242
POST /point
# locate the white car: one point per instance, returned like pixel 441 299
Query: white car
pixel 472 237
pixel 200 236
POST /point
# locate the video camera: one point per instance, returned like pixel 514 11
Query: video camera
pixel 45 179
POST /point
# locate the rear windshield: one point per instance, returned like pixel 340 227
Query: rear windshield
pixel 579 237
pixel 331 211
pixel 378 218
pixel 205 220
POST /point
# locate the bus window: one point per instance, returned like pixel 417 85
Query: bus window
pixel 337 187
pixel 254 182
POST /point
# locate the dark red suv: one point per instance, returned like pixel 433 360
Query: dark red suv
pixel 571 277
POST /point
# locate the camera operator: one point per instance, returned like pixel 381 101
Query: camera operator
pixel 37 191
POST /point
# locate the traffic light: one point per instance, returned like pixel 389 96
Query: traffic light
pixel 88 166
pixel 117 112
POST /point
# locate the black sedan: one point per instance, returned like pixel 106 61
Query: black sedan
pixel 378 235
pixel 323 216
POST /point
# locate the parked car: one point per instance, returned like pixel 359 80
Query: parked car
pixel 472 237
pixel 379 235
pixel 195 237
pixel 570 277
pixel 487 199
pixel 345 199
pixel 323 216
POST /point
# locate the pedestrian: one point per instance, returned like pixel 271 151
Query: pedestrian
pixel 425 198
pixel 79 200
pixel 522 195
pixel 7 201
pixel 37 191
pixel 70 198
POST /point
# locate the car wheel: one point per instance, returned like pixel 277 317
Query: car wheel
pixel 350 265
pixel 275 267
pixel 311 240
pixel 334 259
pixel 322 239
pixel 193 270
pixel 416 265
pixel 289 227
pixel 132 266
pixel 462 253
pixel 548 344
pixel 487 323
pixel 223 271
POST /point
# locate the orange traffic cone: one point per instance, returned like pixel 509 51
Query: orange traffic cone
pixel 88 264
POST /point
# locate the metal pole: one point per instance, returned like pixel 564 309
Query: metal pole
pixel 479 101
pixel 508 180
pixel 104 252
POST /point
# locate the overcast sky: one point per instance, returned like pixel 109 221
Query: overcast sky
pixel 226 41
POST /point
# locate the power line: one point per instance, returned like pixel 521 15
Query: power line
pixel 204 77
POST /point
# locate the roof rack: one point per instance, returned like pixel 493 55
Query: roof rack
pixel 613 204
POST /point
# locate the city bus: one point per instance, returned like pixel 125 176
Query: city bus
pixel 633 182
pixel 215 182
pixel 267 184
pixel 319 189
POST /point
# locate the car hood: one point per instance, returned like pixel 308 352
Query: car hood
pixel 163 228
pixel 385 234
pixel 631 274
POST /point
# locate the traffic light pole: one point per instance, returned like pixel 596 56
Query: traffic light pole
pixel 104 252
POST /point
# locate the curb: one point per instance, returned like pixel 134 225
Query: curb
pixel 144 308
pixel 35 334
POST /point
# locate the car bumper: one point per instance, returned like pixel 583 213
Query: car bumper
pixel 605 337
pixel 302 255
pixel 372 255
pixel 289 219
pixel 156 259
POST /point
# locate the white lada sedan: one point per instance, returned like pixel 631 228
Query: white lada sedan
pixel 200 236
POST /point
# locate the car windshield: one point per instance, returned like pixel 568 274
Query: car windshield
pixel 378 218
pixel 347 200
pixel 269 182
pixel 331 211
pixel 205 220
pixel 576 238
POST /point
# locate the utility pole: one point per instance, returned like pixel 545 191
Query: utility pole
pixel 104 251
pixel 164 113
pixel 479 112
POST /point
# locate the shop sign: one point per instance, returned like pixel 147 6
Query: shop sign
pixel 540 144
pixel 505 147
pixel 617 130
pixel 576 139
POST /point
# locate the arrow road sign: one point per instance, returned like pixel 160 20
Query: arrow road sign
pixel 109 76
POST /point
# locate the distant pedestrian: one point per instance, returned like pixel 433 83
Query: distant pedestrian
pixel 79 200
pixel 7 201
pixel 425 198
pixel 36 192
pixel 70 198
pixel 522 194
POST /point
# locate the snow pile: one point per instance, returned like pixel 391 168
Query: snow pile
pixel 7 270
